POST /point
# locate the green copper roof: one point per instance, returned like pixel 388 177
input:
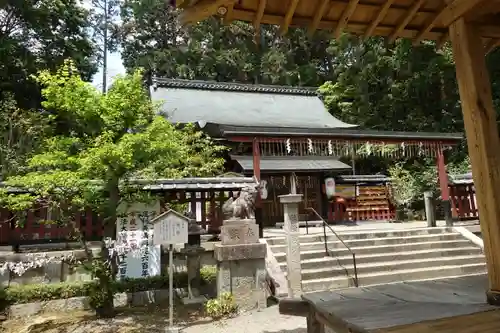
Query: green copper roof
pixel 190 101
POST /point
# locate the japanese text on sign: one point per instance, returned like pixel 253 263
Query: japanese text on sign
pixel 171 229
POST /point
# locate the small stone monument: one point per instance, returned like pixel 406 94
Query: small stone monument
pixel 292 237
pixel 192 251
pixel 240 256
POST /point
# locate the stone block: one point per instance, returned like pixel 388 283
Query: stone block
pixel 239 252
pixel 194 301
pixel 4 277
pixel 244 279
pixel 25 310
pixel 32 276
pixel 290 198
pixel 53 272
pixel 239 233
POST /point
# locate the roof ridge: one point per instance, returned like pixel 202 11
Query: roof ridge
pixel 233 86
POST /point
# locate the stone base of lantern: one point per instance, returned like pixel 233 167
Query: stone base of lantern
pixel 241 268
pixel 194 301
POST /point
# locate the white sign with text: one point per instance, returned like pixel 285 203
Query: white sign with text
pixel 170 228
pixel 135 222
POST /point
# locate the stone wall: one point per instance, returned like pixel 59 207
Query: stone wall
pixel 61 272
pixel 81 303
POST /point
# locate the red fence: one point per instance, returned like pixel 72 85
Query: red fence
pixel 29 228
pixel 463 201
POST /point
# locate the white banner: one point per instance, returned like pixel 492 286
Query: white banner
pixel 136 224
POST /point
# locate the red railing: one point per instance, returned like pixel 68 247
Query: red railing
pixel 28 227
pixel 463 201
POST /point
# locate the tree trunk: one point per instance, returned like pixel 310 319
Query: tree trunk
pixel 107 276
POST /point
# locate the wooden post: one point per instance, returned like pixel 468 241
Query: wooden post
pixel 483 141
pixel 256 173
pixel 443 185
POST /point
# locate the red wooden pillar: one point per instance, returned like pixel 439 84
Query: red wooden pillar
pixel 443 185
pixel 256 174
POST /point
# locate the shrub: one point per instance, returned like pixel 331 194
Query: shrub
pixel 221 307
pixel 46 292
pixel 208 274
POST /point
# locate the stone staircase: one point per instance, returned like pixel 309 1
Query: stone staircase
pixel 382 256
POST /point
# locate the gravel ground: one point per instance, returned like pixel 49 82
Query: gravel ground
pixel 150 321
pixel 268 320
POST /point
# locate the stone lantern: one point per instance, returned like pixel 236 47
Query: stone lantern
pixel 192 252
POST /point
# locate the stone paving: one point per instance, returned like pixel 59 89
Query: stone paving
pixel 473 226
pixel 268 320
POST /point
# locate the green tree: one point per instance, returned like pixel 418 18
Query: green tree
pixel 115 138
pixel 37 35
pixel 151 37
pixel 22 133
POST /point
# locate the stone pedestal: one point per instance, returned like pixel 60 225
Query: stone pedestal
pixel 241 268
pixel 291 227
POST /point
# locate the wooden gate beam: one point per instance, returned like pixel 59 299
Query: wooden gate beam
pixel 482 139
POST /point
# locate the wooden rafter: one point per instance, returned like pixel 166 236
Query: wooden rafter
pixel 458 8
pixel 407 19
pixel 428 27
pixel 487 8
pixel 380 16
pixel 288 17
pixel 356 27
pixel 346 15
pixel 450 12
pixel 491 45
pixel 202 10
pixel 318 15
pixel 258 15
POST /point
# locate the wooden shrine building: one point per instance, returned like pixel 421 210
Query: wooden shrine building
pixel 286 137
pixel 473 28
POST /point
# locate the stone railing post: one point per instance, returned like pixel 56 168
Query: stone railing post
pixel 292 233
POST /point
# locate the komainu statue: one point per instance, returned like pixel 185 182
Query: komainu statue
pixel 243 207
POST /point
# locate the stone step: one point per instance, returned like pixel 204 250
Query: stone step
pixel 364 234
pixel 393 276
pixel 385 257
pixel 334 244
pixel 389 266
pixel 377 249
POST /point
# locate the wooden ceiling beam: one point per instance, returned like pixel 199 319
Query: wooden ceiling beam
pixel 450 10
pixel 487 31
pixel 288 16
pixel 458 8
pixel 428 27
pixel 202 10
pixel 258 16
pixel 344 19
pixel 318 15
pixel 380 16
pixel 410 14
